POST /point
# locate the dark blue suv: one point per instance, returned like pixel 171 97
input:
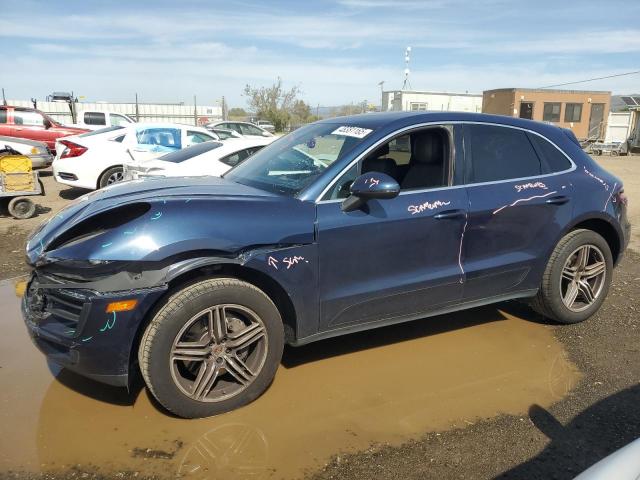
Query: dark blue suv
pixel 343 225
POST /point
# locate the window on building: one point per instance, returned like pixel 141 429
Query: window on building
pixel 572 112
pixel 418 106
pixel 500 153
pixel 551 112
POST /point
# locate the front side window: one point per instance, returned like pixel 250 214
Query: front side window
pixel 551 112
pixel 162 137
pixel 198 137
pixel 118 119
pixel 250 129
pixel 417 161
pixel 32 119
pixel 572 112
pixel 94 118
pixel 296 160
pixel 500 153
pixel 3 115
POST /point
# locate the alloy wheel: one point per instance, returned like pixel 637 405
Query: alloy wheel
pixel 218 353
pixel 583 277
pixel 115 177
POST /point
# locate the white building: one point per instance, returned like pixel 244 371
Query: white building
pixel 412 100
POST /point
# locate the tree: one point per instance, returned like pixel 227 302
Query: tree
pixel 237 114
pixel 272 103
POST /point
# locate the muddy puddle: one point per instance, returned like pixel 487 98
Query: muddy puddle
pixel 339 395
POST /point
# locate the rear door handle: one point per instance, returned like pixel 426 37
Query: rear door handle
pixel 450 214
pixel 559 200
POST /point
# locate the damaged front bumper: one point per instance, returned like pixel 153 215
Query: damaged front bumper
pixel 68 322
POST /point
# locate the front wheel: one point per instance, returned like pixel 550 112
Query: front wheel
pixel 213 347
pixel 577 278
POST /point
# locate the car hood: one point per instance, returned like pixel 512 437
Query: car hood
pixel 157 218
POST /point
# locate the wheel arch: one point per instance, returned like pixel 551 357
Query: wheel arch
pixel 603 226
pixel 99 178
pixel 220 269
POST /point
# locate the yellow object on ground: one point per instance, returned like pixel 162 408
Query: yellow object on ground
pixel 18 182
pixel 15 164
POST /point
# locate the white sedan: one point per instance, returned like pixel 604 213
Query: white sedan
pixel 205 159
pixel 245 129
pixel 95 159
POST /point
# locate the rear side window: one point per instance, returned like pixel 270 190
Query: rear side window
pixel 500 153
pixel 94 118
pixel 235 158
pixel 553 160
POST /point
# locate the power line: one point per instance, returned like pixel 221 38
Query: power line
pixel 592 79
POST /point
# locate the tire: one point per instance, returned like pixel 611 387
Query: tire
pixel 22 207
pixel 179 329
pixel 564 264
pixel 111 176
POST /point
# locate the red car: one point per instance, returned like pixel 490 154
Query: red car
pixel 33 124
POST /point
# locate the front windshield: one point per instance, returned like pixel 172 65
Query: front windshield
pixel 293 162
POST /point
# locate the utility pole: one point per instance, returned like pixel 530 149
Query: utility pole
pixel 4 99
pixel 383 108
pixel 137 111
pixel 318 112
pixel 195 112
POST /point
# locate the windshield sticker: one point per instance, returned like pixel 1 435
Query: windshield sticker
pixel 356 132
pixel 426 206
pixel 526 186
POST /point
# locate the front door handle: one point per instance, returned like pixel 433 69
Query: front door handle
pixel 450 214
pixel 559 200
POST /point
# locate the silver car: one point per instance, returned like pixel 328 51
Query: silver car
pixel 36 151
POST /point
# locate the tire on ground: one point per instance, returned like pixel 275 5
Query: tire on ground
pixel 22 207
pixel 155 345
pixel 548 301
pixel 103 181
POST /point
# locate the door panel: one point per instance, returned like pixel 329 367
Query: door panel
pixel 511 227
pixel 392 258
pixel 596 121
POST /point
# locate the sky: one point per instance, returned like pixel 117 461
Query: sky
pixel 336 52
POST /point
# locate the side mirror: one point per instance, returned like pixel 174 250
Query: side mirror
pixel 47 123
pixel 371 185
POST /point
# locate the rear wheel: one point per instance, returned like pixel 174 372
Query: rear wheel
pixel 213 347
pixel 111 176
pixel 577 278
pixel 22 207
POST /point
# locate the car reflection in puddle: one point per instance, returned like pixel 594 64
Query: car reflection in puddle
pixel 338 395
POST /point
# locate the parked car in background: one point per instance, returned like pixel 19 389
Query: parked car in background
pixel 34 125
pixel 38 152
pixel 224 133
pixel 266 125
pixel 94 120
pixel 203 159
pixel 200 282
pixel 95 159
pixel 245 129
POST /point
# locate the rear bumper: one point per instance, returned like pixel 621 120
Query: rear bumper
pixel 41 161
pixel 71 328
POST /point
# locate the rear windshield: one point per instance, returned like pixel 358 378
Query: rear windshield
pixel 189 152
pixel 101 130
